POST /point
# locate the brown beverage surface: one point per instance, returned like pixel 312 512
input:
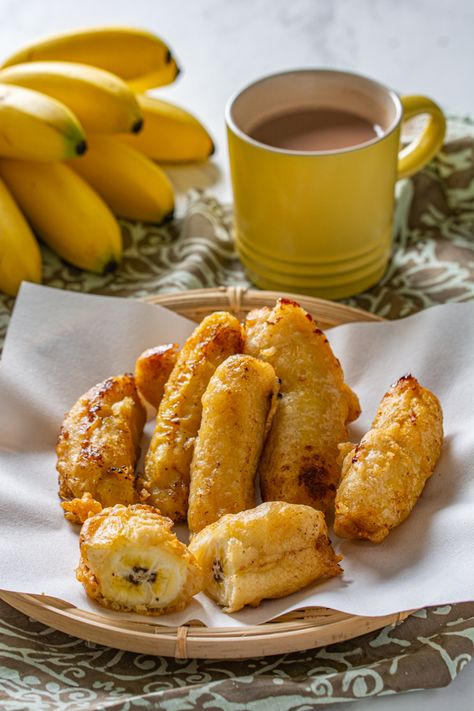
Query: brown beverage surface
pixel 315 129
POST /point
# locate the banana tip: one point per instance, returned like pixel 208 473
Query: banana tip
pixel 137 126
pixel 212 149
pixel 111 266
pixel 81 148
pixel 167 218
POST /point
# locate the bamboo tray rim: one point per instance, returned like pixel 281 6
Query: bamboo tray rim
pixel 295 631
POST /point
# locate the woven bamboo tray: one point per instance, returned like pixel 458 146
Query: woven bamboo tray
pixel 302 629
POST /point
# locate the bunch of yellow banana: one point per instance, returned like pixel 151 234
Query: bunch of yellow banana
pixel 76 97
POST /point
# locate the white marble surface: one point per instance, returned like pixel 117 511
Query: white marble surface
pixel 413 46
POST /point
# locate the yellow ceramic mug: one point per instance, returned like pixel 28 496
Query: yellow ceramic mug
pixel 320 222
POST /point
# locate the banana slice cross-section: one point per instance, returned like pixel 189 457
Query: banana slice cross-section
pixel 131 561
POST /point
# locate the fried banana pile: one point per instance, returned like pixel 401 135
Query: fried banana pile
pixel 242 410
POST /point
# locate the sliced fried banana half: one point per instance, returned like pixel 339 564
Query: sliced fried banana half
pixel 131 561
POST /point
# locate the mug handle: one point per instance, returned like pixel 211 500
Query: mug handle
pixel 419 152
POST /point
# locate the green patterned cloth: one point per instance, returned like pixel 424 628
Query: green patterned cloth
pixel 432 263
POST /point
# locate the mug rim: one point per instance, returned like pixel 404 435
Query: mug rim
pixel 231 124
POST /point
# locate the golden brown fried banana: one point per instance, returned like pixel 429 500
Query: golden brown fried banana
pixel 152 370
pixel 99 443
pixel 300 457
pixel 131 561
pixel 385 474
pixel 167 465
pixel 237 409
pixel 269 551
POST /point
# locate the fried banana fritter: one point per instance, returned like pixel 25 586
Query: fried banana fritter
pixel 99 443
pixel 384 475
pixel 167 465
pixel 152 370
pixel 237 409
pixel 270 551
pixel 131 561
pixel 300 457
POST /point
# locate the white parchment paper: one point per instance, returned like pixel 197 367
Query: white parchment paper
pixel 59 344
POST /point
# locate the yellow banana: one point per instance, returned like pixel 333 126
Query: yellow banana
pixel 35 127
pixel 130 184
pixel 170 134
pixel 65 212
pixel 20 257
pixel 136 56
pixel 101 101
pixel 157 77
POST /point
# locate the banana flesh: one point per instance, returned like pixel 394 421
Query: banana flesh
pixel 132 186
pixel 134 55
pixel 132 561
pixel 170 134
pixel 65 212
pixel 133 577
pixel 20 257
pixel 36 127
pixel 102 102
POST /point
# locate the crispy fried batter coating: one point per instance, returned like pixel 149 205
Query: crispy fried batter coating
pixel 238 406
pixel 99 443
pixel 167 465
pixel 131 561
pixel 78 510
pixel 300 458
pixel 270 551
pixel 384 475
pixel 152 370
